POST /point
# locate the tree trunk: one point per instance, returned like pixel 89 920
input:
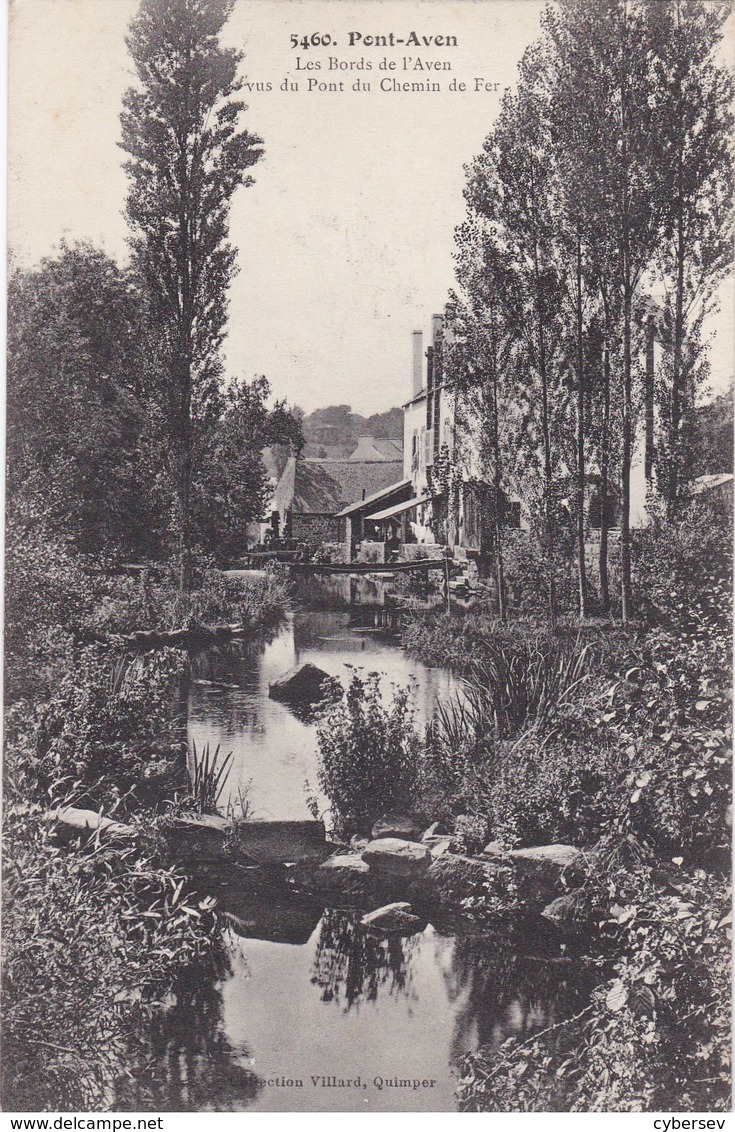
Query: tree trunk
pixel 497 482
pixel 625 572
pixel 605 478
pixel 581 569
pixel 184 502
pixel 675 454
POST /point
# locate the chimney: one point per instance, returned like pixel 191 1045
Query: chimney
pixel 437 322
pixel 418 363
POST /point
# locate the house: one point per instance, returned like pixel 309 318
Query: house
pixel 360 520
pixel 371 448
pixel 441 454
pixel 311 494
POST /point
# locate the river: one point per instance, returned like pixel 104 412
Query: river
pixel 310 1000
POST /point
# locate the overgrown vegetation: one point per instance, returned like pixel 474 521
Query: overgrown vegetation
pixel 617 742
pixel 369 754
pixel 94 940
pixel 208 773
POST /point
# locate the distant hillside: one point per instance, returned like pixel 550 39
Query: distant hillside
pixel 335 430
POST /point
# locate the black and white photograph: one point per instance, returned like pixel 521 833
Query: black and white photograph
pixel 368 559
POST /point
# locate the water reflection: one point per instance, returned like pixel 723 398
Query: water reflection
pixel 309 992
pixel 192 1064
pixel 351 965
pixel 275 751
pixel 500 992
pixel 304 993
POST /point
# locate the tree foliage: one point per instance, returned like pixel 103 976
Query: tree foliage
pixel 79 438
pixel 188 155
pixel 606 175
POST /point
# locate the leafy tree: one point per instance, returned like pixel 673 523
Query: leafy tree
pixel 607 46
pixel 480 365
pixel 712 436
pixel 230 486
pixel 180 126
pixel 694 121
pixel 510 185
pixel 77 445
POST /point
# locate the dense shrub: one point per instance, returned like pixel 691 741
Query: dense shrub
pixel 92 943
pixel 255 601
pixel 368 753
pixel 112 732
pixel 549 791
pixel 526 570
pixel 655 1037
pixel 683 570
pixel 47 599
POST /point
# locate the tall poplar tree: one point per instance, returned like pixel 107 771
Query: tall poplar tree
pixel 693 115
pixel 606 44
pixel 480 366
pixel 188 155
pixel 510 184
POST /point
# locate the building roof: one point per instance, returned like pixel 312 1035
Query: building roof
pixel 376 497
pixel 399 508
pixel 420 396
pixel 377 448
pixel 325 487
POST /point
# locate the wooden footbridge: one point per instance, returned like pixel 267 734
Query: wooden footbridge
pixel 371 567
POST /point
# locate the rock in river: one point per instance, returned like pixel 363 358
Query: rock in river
pixel 391 918
pixel 346 865
pixel 304 685
pixel 396 857
pixel 396 825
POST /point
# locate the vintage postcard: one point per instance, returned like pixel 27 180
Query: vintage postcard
pixel 368 558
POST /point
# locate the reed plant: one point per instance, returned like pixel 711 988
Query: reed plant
pixel 208 774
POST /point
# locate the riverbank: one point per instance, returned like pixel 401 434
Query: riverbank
pixel 613 743
pixel 618 743
pixel 97 937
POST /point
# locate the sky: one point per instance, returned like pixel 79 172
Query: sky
pixel 345 241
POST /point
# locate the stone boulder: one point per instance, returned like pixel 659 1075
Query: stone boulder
pixel 392 856
pixel 346 866
pixel 273 842
pixel 437 845
pixel 304 686
pixel 198 837
pixel 71 823
pixel 561 911
pixel 397 825
pixel 436 829
pixel 543 871
pixel 557 856
pixel 391 919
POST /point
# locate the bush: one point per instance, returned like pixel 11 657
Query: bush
pixel 128 604
pixel 368 754
pixel 682 572
pixel 112 732
pixel 47 599
pixel 655 1037
pixel 93 941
